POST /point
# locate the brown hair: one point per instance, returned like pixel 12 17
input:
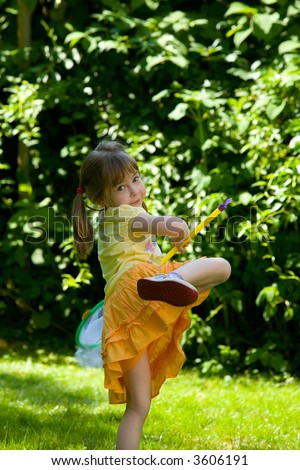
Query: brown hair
pixel 102 169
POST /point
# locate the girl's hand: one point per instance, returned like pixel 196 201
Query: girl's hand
pixel 180 247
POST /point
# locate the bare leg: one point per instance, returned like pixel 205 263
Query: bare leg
pixel 138 387
pixel 205 273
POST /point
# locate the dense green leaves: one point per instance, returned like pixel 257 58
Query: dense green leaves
pixel 207 99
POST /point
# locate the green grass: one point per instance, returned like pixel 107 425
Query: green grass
pixel 50 403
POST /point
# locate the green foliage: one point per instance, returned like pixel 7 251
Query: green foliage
pixel 207 99
pixel 51 403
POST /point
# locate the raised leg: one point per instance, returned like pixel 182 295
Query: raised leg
pixel 182 286
pixel 205 273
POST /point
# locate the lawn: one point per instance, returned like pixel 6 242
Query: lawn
pixel 49 402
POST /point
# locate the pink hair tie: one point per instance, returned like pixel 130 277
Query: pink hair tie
pixel 80 190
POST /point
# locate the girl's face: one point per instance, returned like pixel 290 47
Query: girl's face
pixel 130 191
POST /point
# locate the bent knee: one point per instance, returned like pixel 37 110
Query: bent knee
pixel 224 269
pixel 141 408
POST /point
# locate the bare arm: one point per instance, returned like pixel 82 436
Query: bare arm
pixel 173 227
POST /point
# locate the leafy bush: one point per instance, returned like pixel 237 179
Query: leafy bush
pixel 206 97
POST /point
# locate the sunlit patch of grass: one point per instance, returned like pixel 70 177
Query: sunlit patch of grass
pixel 48 402
pixel 240 413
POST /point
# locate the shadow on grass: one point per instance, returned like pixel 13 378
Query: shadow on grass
pixel 39 412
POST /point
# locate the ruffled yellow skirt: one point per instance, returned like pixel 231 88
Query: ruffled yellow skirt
pixel 133 325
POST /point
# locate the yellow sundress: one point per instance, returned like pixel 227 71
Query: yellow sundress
pixel 131 324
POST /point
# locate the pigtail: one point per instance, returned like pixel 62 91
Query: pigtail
pixel 82 228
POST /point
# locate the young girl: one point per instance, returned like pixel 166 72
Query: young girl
pixel 146 303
